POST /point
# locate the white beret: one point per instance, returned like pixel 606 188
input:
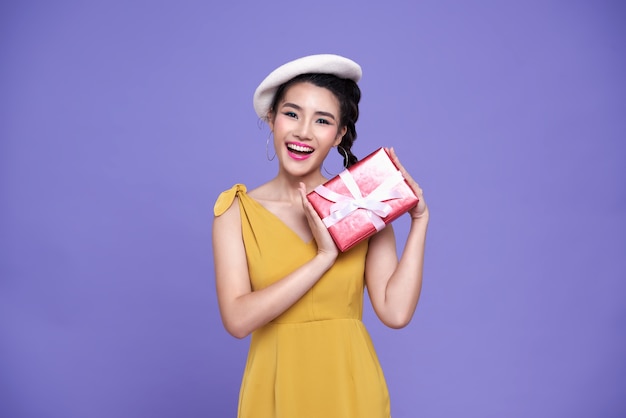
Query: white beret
pixel 320 64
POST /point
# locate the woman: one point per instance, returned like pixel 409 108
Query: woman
pixel 279 274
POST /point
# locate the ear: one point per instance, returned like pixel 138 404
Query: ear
pixel 340 135
pixel 270 120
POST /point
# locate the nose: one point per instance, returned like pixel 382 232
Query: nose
pixel 303 130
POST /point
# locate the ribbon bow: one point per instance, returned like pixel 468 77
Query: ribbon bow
pixel 373 203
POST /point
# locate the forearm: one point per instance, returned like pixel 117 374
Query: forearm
pixel 405 284
pixel 252 310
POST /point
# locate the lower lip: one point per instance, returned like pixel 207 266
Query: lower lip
pixel 298 157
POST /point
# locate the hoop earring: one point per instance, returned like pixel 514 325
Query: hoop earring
pixel 267 151
pixel 343 152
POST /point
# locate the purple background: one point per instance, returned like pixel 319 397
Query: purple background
pixel 120 123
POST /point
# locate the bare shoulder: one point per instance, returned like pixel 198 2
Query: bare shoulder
pixel 264 192
pixel 269 196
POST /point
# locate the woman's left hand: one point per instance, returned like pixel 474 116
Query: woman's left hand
pixel 421 209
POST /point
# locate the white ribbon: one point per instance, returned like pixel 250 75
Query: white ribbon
pixel 373 203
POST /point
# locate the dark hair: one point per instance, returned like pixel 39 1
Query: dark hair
pixel 347 93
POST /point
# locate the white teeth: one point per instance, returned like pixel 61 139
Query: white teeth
pixel 299 148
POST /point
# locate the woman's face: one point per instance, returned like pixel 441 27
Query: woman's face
pixel 305 126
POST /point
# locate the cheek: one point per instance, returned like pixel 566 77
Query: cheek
pixel 278 124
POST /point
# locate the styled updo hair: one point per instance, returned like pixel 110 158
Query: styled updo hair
pixel 347 93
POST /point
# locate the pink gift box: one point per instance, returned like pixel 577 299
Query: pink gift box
pixel 363 199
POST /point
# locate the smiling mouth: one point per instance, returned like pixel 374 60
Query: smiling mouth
pixel 299 149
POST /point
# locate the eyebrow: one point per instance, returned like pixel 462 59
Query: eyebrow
pixel 318 112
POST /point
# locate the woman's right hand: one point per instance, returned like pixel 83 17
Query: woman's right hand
pixel 325 243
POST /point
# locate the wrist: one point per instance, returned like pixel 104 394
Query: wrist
pixel 422 217
pixel 327 258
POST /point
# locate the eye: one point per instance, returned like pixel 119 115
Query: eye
pixel 323 121
pixel 290 114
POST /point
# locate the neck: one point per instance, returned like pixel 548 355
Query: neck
pixel 289 185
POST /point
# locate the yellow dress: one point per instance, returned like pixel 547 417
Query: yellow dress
pixel 316 360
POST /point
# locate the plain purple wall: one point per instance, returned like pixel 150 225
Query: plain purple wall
pixel 120 123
